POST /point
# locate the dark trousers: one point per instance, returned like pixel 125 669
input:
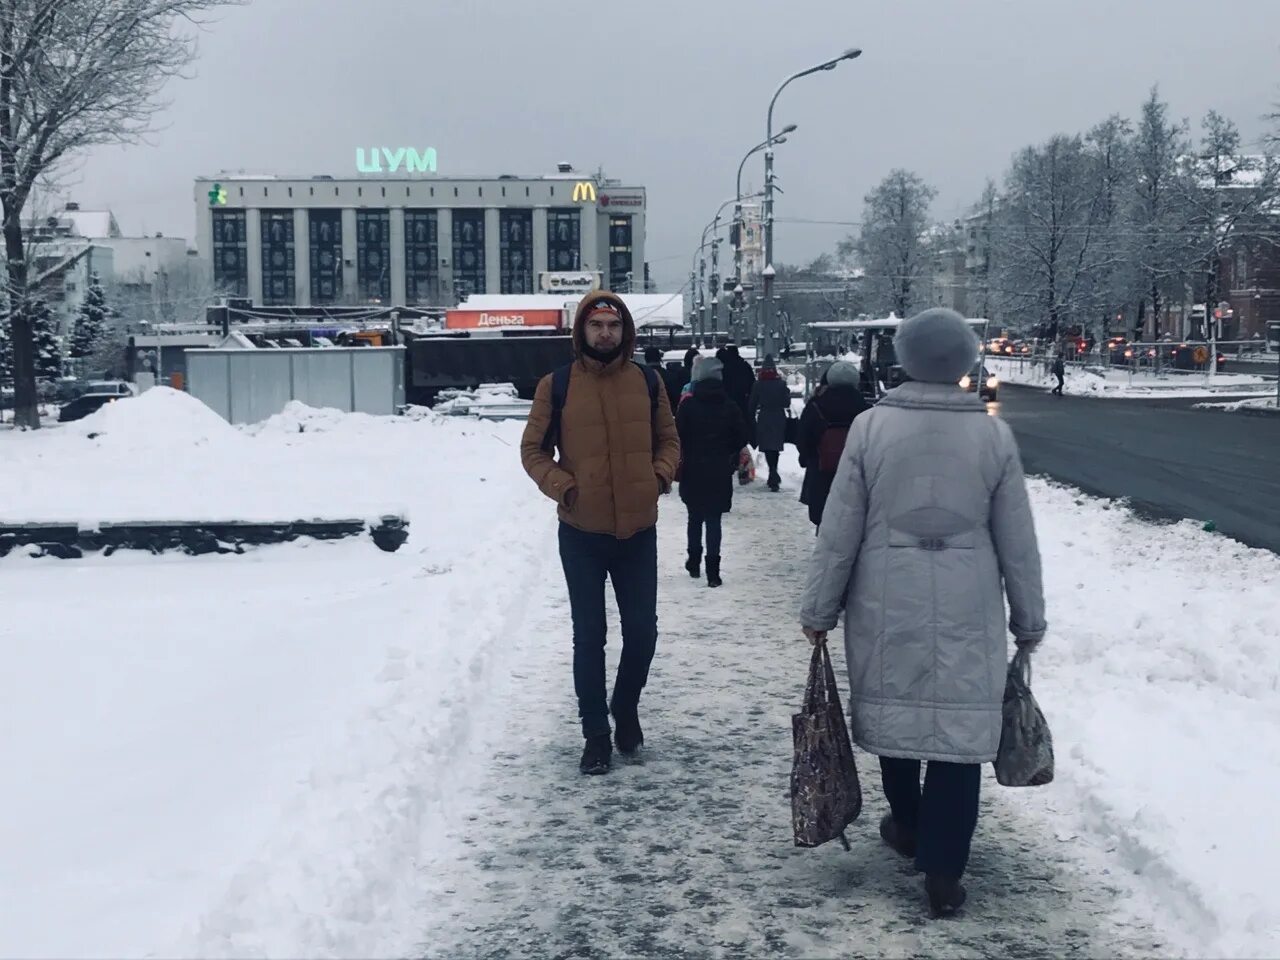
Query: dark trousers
pixel 697 520
pixel 942 817
pixel 1061 384
pixel 632 566
pixel 771 458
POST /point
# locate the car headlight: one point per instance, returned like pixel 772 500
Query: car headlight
pixel 992 383
pixel 965 382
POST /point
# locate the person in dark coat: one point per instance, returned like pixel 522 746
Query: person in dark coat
pixel 690 356
pixel 674 382
pixel 1059 371
pixel 835 404
pixel 712 432
pixel 739 378
pixel 767 417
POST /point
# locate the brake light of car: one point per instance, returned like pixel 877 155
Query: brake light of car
pixel 993 382
pixel 965 382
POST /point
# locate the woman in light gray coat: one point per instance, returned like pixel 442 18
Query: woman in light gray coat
pixel 927 529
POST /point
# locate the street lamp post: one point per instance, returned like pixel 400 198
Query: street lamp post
pixel 849 54
pixel 738 198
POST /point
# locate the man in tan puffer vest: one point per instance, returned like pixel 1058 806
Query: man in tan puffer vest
pixel 618 453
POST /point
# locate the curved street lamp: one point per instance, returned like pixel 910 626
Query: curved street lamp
pixel 851 54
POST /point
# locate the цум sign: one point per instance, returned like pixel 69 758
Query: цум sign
pixel 387 160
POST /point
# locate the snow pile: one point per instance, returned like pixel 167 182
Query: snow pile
pixel 1120 384
pixel 239 756
pixel 1238 406
pixel 1161 680
pixel 145 425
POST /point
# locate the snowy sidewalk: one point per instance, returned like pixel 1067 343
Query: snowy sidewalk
pixel 689 852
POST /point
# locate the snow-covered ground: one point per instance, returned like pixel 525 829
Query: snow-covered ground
pixel 325 750
pixel 1119 384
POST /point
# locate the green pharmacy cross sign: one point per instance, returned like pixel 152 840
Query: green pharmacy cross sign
pixel 218 196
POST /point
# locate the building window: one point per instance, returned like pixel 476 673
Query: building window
pixel 620 254
pixel 515 231
pixel 373 254
pixel 468 252
pixel 277 257
pixel 421 257
pixel 230 252
pixel 326 255
pixel 564 239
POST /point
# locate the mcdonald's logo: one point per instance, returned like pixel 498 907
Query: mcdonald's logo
pixel 584 190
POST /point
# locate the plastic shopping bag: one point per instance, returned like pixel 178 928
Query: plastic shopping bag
pixel 1025 757
pixel 825 793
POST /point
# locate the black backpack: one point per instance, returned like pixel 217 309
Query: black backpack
pixel 560 390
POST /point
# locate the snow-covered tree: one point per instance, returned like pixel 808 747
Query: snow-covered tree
pixel 1226 191
pixel 44 329
pixel 74 74
pixel 1159 226
pixel 6 346
pixel 1109 150
pixel 91 321
pixel 1048 235
pixel 892 243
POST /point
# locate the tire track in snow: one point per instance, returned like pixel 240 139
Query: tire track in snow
pixel 688 853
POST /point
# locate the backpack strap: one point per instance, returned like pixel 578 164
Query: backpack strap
pixel 651 381
pixel 559 391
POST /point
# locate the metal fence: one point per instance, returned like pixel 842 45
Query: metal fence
pixel 247 386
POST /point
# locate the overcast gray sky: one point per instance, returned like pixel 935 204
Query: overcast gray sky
pixel 671 93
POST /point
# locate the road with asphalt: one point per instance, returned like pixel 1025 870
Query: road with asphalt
pixel 1169 460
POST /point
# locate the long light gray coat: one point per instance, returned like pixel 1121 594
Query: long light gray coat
pixel 927 527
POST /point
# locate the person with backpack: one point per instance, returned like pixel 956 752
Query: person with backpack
pixel 712 433
pixel 824 425
pixel 609 419
pixel 767 413
pixel 927 532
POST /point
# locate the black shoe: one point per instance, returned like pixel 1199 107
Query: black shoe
pixel 775 487
pixel 946 895
pixel 596 755
pixel 902 842
pixel 713 572
pixel 627 733
pixel 694 565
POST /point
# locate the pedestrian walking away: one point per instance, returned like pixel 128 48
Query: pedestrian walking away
pixel 767 412
pixel 611 423
pixel 739 378
pixel 824 427
pixel 1059 371
pixel 712 432
pixel 926 531
pixel 672 380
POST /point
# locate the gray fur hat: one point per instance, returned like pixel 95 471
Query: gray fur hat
pixel 842 373
pixel 707 368
pixel 936 346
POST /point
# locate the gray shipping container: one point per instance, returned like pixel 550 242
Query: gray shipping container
pixel 248 386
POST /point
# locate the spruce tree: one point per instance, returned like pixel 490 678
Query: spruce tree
pixel 90 324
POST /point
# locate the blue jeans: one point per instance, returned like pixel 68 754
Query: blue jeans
pixel 714 531
pixel 942 818
pixel 632 565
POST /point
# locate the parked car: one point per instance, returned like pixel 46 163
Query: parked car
pixel 114 388
pixel 981 381
pixel 86 404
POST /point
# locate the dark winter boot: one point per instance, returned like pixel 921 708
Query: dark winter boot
pixel 694 565
pixel 713 572
pixel 627 733
pixel 596 755
pixel 901 841
pixel 946 895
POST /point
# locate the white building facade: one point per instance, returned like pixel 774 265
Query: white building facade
pixel 414 239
